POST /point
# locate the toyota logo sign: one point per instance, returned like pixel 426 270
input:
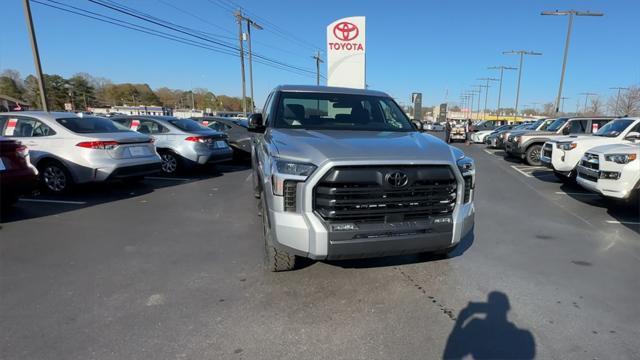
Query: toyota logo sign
pixel 397 179
pixel 345 31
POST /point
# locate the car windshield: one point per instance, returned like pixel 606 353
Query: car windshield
pixel 546 124
pixel 614 128
pixel 91 125
pixel 557 124
pixel 326 111
pixel 187 125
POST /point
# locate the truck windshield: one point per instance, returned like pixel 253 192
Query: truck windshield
pixel 614 128
pixel 326 111
pixel 557 124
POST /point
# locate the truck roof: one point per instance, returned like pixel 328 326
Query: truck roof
pixel 329 90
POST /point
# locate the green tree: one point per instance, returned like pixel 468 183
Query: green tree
pixel 83 92
pixel 9 87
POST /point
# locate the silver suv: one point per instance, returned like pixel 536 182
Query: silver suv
pixel 70 149
pixel 342 173
pixel 182 143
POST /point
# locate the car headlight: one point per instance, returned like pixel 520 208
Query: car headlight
pixel 566 146
pixel 620 158
pixel 466 166
pixel 289 171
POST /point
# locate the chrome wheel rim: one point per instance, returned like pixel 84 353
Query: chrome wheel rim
pixel 169 163
pixel 54 178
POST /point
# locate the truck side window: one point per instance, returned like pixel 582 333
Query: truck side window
pixel 266 110
pixel 578 127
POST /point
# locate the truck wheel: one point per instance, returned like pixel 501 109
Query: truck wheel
pixel 532 155
pixel 275 260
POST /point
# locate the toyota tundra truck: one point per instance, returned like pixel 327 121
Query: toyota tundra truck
pixel 563 154
pixel 528 145
pixel 342 173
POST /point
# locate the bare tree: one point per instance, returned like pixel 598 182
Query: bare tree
pixel 628 103
pixel 548 109
pixel 596 106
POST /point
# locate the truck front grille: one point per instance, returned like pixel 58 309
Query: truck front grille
pixel 591 161
pixel 368 194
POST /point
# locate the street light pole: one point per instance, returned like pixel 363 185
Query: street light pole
pixel 571 14
pixel 502 68
pixel 618 97
pixel 522 53
pixel 36 54
pixel 486 94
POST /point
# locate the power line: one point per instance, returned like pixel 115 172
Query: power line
pixel 157 33
pixel 275 29
pixel 174 27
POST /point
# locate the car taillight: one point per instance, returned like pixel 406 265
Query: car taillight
pixel 100 145
pixel 22 151
pixel 195 139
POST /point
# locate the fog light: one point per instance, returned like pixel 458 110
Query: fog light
pixel 344 227
pixel 611 175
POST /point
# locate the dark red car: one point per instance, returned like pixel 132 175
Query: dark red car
pixel 17 175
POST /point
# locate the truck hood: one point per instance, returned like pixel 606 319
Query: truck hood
pixel 616 149
pixel 587 141
pixel 536 133
pixel 317 146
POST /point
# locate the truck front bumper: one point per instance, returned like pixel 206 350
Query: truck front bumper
pixel 306 234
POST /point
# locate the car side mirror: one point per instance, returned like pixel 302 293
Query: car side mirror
pixel 417 125
pixel 633 136
pixel 255 123
pixel 566 131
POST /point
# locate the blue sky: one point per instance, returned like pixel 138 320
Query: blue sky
pixel 434 47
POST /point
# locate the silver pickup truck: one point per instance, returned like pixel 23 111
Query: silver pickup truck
pixel 342 173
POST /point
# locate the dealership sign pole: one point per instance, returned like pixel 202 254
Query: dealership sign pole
pixel 346 53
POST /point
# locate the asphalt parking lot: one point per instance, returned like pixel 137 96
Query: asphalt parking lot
pixel 172 269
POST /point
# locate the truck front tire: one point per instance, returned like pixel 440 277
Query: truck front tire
pixel 275 259
pixel 532 155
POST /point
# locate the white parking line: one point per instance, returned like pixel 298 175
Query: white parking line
pixel 576 193
pixel 623 222
pixel 165 178
pixel 54 201
pixel 520 171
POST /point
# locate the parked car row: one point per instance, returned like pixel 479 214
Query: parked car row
pixel 68 149
pixel 599 153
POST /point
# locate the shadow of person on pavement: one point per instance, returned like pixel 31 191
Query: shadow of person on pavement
pixel 491 337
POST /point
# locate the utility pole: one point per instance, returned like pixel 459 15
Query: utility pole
pixel 318 62
pixel 502 68
pixel 522 53
pixel 239 19
pixel 586 98
pixel 479 91
pixel 486 94
pixel 562 103
pixel 36 54
pixel 571 14
pixel 618 97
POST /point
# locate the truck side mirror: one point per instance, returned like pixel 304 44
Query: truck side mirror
pixel 566 130
pixel 417 125
pixel 633 136
pixel 255 123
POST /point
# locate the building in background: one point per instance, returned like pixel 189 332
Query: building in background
pixel 134 110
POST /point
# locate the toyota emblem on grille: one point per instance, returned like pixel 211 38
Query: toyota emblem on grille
pixel 397 179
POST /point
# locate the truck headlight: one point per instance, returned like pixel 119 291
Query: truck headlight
pixel 517 139
pixel 466 166
pixel 620 158
pixel 566 146
pixel 289 171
